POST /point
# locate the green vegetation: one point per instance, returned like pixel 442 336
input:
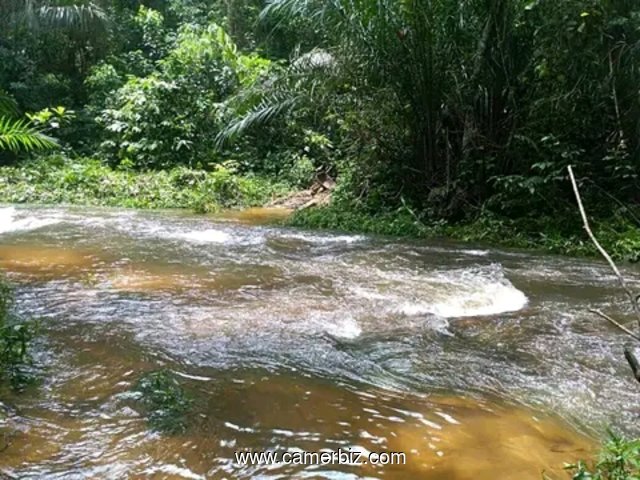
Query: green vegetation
pixel 434 117
pixel 164 401
pixel 15 338
pixel 619 460
pixel 561 235
pixel 17 134
pixel 91 182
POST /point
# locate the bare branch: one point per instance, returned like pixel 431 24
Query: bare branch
pixel 628 353
pixel 616 323
pixel 602 251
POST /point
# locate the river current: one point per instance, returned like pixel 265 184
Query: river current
pixel 478 363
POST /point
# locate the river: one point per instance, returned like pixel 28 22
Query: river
pixel 477 363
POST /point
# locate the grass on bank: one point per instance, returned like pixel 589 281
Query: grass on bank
pixel 89 182
pixel 59 180
pixel 561 235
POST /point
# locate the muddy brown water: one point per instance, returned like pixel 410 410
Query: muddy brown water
pixel 476 363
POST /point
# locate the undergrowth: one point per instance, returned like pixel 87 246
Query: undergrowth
pixel 89 182
pixel 558 234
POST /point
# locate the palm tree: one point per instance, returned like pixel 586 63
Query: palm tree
pixel 439 62
pixel 82 16
pixel 388 45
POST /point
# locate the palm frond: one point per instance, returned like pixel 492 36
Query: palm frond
pixel 301 87
pixel 19 135
pixel 269 108
pixel 81 16
pixel 287 8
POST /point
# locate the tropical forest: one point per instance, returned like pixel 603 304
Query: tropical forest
pixel 320 239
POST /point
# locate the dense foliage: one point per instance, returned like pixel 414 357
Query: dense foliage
pixel 462 112
pixel 16 134
pixel 555 235
pixel 55 179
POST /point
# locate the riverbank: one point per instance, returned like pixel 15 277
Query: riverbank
pixel 563 235
pixel 87 182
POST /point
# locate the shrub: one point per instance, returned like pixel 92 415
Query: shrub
pixel 619 460
pixel 56 179
pixel 158 121
pixel 555 234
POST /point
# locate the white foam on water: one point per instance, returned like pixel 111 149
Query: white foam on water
pixel 368 294
pixel 124 221
pixel 174 471
pixel 487 299
pixel 449 294
pixel 132 223
pixel 9 222
pixel 346 327
pixel 324 239
pixel 208 236
pixel 205 236
pixel 476 253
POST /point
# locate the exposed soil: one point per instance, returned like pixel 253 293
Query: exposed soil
pixel 318 194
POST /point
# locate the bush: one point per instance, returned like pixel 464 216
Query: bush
pixel 561 234
pixel 619 460
pixel 159 121
pixel 56 179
